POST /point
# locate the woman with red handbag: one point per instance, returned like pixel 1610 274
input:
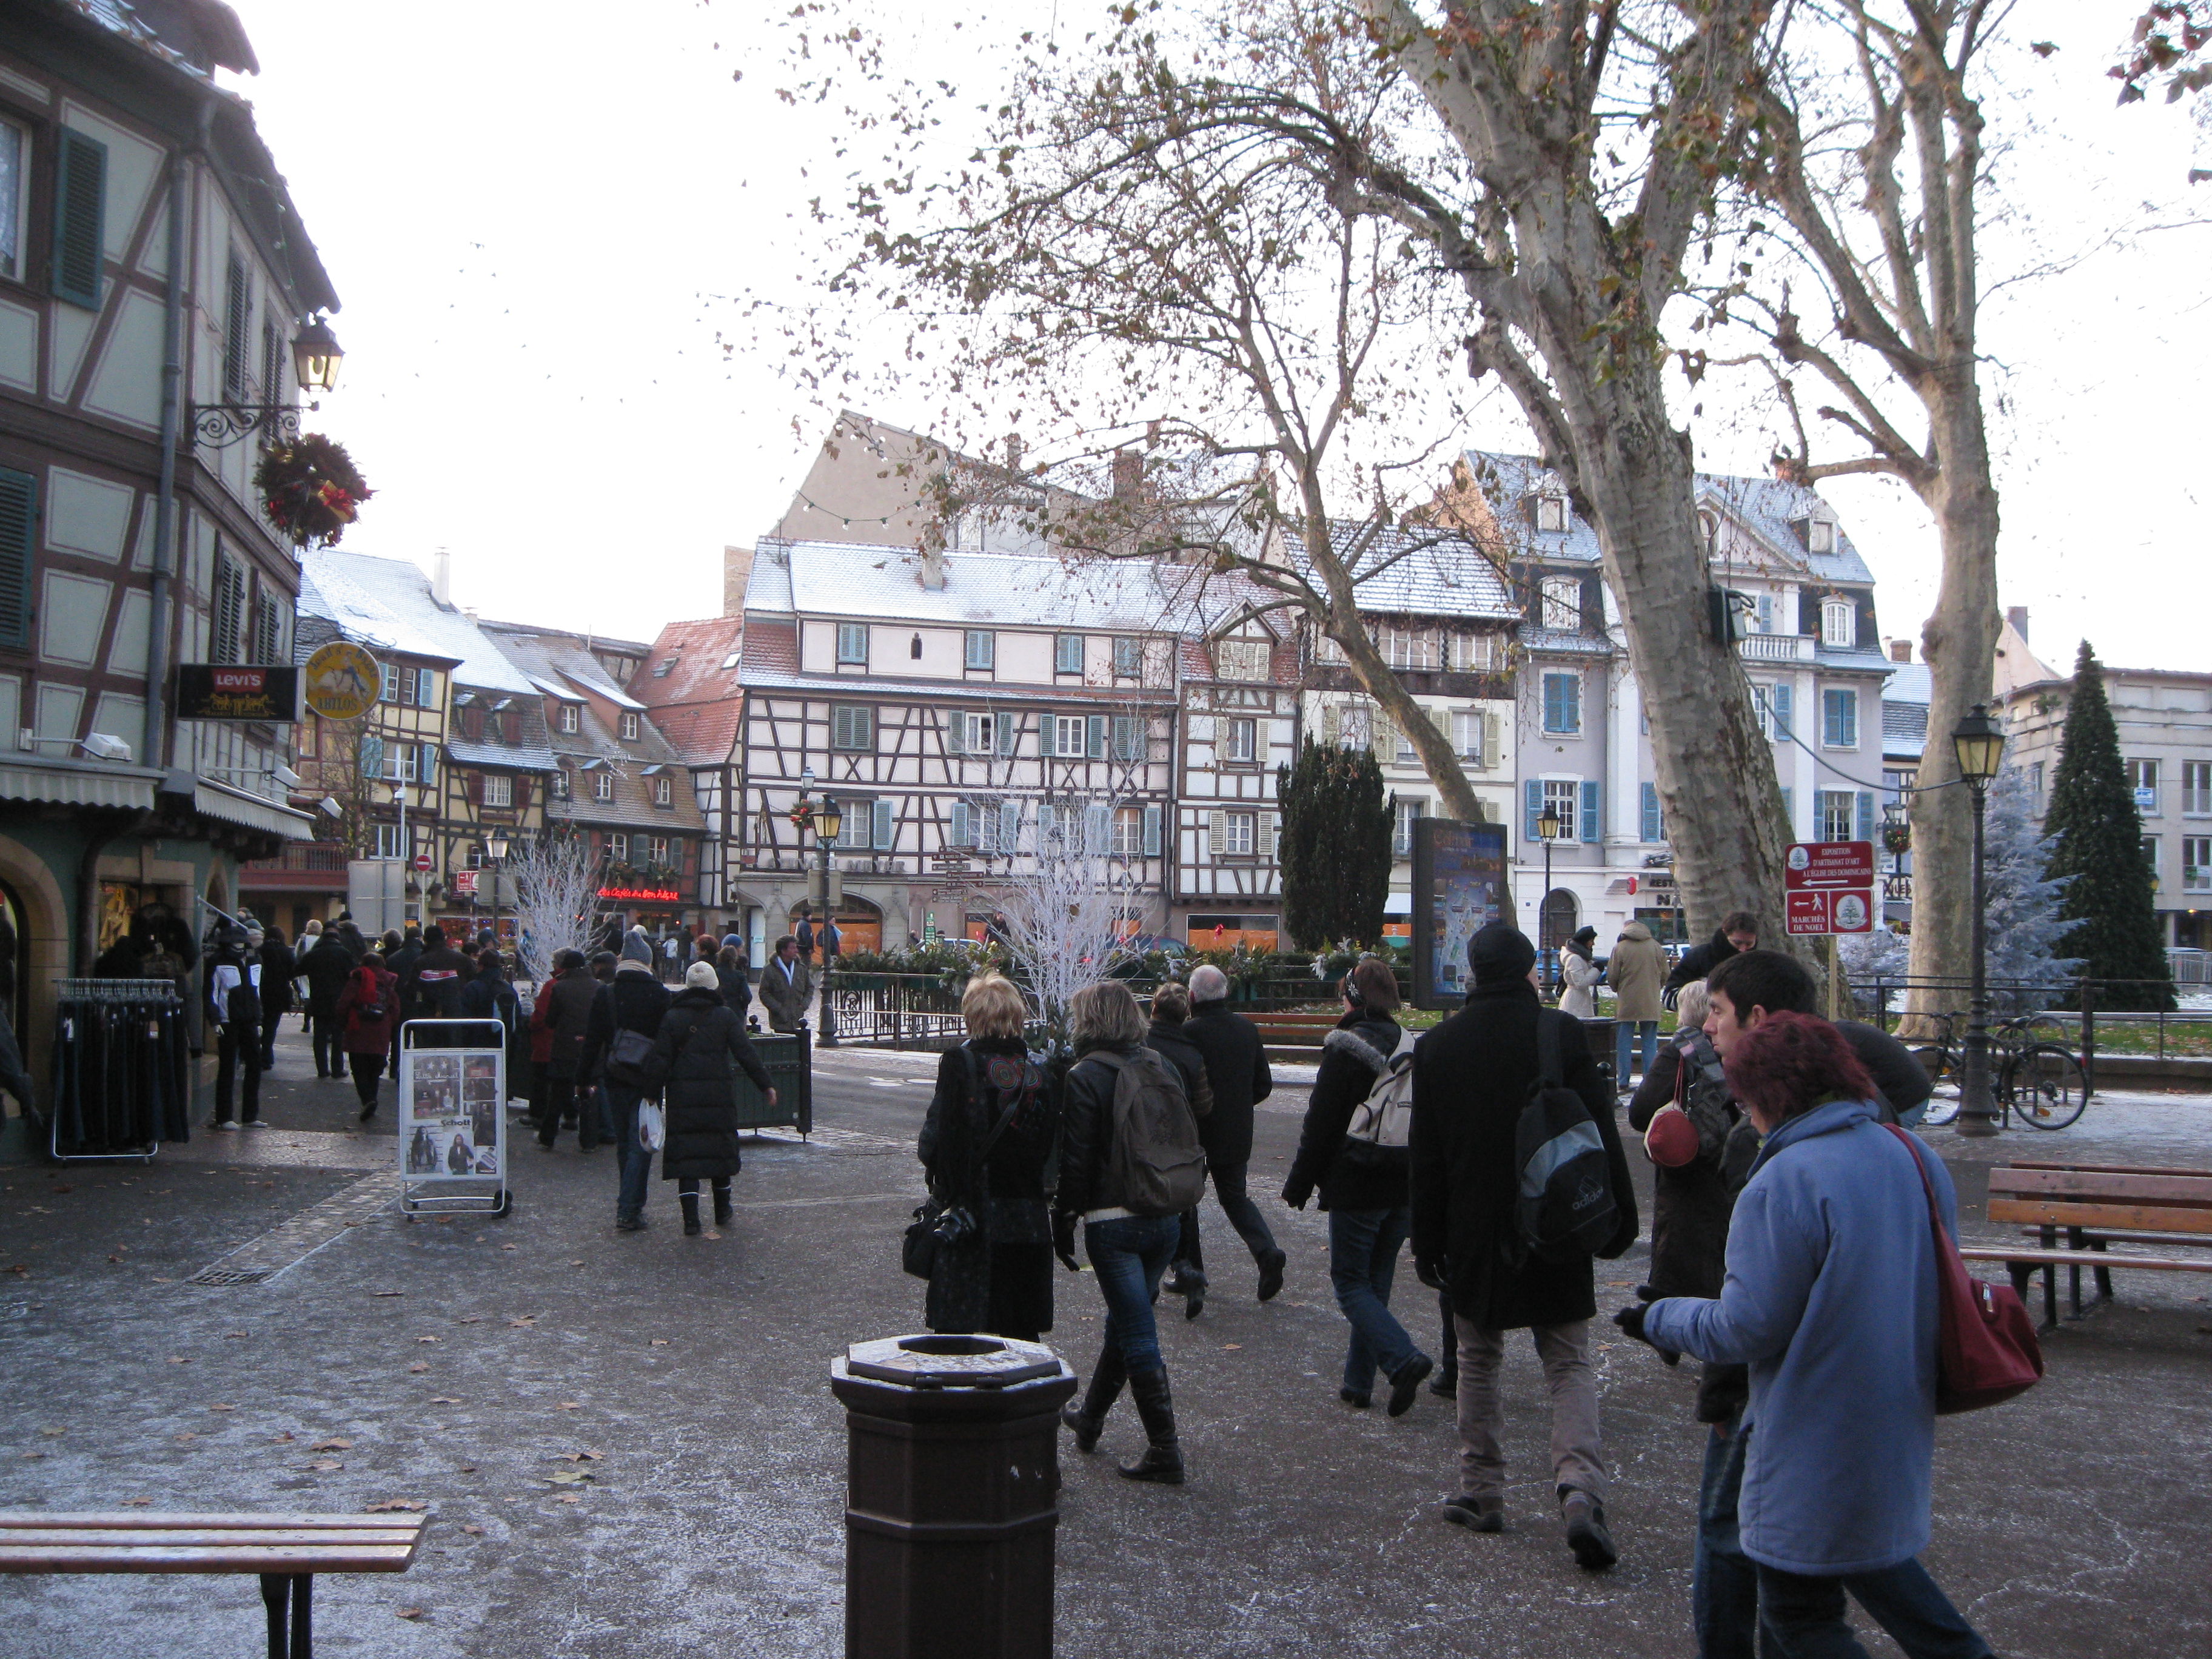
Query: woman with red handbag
pixel 1834 1299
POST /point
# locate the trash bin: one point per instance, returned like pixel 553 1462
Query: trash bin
pixel 1599 1032
pixel 952 1496
pixel 789 1062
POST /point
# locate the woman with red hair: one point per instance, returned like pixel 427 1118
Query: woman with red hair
pixel 1831 1300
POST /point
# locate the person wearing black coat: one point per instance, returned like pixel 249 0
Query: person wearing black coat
pixel 1364 1187
pixel 730 973
pixel 635 1000
pixel 1165 1037
pixel 999 1278
pixel 1738 931
pixel 279 967
pixel 431 989
pixel 1236 1068
pixel 326 965
pixel 1470 1080
pixel 700 1036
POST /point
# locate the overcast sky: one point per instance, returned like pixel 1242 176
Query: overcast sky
pixel 538 218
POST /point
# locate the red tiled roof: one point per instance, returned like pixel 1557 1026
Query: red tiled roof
pixel 687 690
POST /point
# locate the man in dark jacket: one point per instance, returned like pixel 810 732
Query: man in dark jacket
pixel 1236 1068
pixel 1470 1080
pixel 633 1002
pixel 569 1016
pixel 700 1036
pixel 279 967
pixel 1738 931
pixel 1362 1186
pixel 327 963
pixel 1167 1038
pixel 433 989
pixel 1752 984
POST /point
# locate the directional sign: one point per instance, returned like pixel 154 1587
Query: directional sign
pixel 1829 887
pixel 464 883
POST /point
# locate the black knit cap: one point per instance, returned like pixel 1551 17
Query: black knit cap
pixel 1500 952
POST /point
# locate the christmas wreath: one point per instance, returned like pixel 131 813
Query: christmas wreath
pixel 1896 837
pixel 311 489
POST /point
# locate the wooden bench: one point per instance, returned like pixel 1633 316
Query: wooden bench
pixel 2096 1205
pixel 286 1551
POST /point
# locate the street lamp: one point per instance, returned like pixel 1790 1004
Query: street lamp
pixel 1978 742
pixel 828 822
pixel 316 355
pixel 1547 827
pixel 495 852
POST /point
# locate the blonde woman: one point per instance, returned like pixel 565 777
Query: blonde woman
pixel 986 1144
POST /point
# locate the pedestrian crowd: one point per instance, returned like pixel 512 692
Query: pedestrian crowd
pixel 1791 1252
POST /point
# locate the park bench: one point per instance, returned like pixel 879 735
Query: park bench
pixel 1294 1035
pixel 2096 1205
pixel 286 1551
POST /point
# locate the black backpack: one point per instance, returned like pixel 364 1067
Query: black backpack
pixel 1564 1210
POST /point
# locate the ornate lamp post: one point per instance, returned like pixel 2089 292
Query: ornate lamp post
pixel 1978 742
pixel 495 852
pixel 828 823
pixel 316 357
pixel 1547 827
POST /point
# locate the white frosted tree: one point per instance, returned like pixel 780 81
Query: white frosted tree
pixel 1063 900
pixel 556 879
pixel 2021 905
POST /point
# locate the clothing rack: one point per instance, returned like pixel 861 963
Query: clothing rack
pixel 121 1080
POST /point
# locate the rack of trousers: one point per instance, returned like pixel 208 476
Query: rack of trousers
pixel 122 1069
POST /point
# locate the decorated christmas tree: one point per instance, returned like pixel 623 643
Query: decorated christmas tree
pixel 2096 849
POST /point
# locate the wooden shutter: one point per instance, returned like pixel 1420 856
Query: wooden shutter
pixel 1127 738
pixel 1532 800
pixel 1865 815
pixel 963 832
pixel 1151 832
pixel 1270 824
pixel 1492 741
pixel 19 535
pixel 1003 732
pixel 1217 826
pixel 429 771
pixel 1097 830
pixel 1593 824
pixel 473 786
pixel 1777 705
pixel 883 832
pixel 372 754
pixel 1047 824
pixel 956 734
pixel 1096 734
pixel 80 218
pixel 1009 826
pixel 521 792
pixel 1651 826
pixel 237 328
pixel 226 604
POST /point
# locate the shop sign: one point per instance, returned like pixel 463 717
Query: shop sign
pixel 343 682
pixel 222 691
pixel 643 895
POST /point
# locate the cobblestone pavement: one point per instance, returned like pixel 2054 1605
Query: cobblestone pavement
pixel 628 1447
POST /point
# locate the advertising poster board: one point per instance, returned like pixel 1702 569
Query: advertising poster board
pixel 219 691
pixel 451 1122
pixel 1459 889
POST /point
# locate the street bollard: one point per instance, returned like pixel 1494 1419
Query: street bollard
pixel 953 1492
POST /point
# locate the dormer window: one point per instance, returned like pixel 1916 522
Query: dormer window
pixel 1241 660
pixel 1562 606
pixel 1839 622
pixel 571 717
pixel 629 726
pixel 1551 513
pixel 1820 535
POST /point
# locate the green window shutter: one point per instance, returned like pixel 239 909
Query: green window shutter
pixel 19 536
pixel 1151 832
pixel 237 328
pixel 80 218
pixel 1593 825
pixel 1003 731
pixel 1047 825
pixel 1865 815
pixel 1097 830
pixel 956 734
pixel 1009 826
pixel 1096 734
pixel 371 756
pixel 886 832
pixel 1651 824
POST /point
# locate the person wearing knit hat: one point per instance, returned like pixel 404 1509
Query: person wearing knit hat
pixel 631 1000
pixel 636 947
pixel 1470 1080
pixel 1579 974
pixel 699 1037
pixel 702 975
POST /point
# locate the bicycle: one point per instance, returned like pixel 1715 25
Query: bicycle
pixel 2032 1077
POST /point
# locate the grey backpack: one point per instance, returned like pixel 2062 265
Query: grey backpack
pixel 1155 1162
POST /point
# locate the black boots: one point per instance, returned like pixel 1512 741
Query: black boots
pixel 690 1203
pixel 1586 1535
pixel 725 1212
pixel 1271 1273
pixel 1163 1458
pixel 1088 1420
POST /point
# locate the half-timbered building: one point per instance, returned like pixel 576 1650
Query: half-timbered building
pixel 688 685
pixel 152 264
pixel 952 704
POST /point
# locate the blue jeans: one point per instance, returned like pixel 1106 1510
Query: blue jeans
pixel 633 1163
pixel 1624 1034
pixel 1363 1259
pixel 1804 1616
pixel 1130 1256
pixel 1724 1580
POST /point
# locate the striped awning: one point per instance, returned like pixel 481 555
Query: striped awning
pixel 219 800
pixel 70 783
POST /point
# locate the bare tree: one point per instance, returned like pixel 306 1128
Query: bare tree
pixel 1065 903
pixel 556 879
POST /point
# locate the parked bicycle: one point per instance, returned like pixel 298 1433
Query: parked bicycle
pixel 2032 1075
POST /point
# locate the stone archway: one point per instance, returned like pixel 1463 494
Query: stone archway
pixel 42 948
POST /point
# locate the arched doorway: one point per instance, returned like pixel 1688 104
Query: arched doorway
pixel 860 923
pixel 1558 922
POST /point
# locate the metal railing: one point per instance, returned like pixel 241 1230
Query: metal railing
pixel 2082 1004
pixel 317 855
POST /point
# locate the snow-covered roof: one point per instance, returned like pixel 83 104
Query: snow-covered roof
pixel 557 664
pixel 1420 571
pixel 843 579
pixel 387 603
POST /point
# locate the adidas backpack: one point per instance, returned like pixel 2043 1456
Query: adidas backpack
pixel 1155 1163
pixel 1564 1209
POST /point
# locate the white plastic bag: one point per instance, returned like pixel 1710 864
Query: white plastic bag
pixel 651 1127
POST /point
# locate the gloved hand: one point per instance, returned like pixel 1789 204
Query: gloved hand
pixel 1631 1321
pixel 1431 1271
pixel 1063 1241
pixel 1295 1196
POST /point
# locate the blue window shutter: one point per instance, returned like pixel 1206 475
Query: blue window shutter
pixel 429 771
pixel 1098 737
pixel 1009 826
pixel 19 537
pixel 80 218
pixel 1866 816
pixel 956 734
pixel 1003 733
pixel 1151 832
pixel 371 754
pixel 1047 819
pixel 1651 832
pixel 962 835
pixel 1098 832
pixel 1593 825
pixel 885 831
pixel 1777 700
pixel 1532 795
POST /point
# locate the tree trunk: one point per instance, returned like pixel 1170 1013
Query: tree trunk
pixel 1960 643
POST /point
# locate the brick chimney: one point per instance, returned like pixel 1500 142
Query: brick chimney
pixel 1128 475
pixel 932 569
pixel 2017 616
pixel 736 571
pixel 1901 650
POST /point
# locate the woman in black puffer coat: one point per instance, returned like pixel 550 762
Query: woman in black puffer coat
pixel 700 1036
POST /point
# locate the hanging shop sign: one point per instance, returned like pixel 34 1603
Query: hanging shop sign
pixel 343 682
pixel 224 691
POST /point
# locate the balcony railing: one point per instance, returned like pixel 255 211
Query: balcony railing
pixel 325 856
pixel 1776 647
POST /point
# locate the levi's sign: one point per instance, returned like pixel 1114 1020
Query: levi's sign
pixel 222 691
pixel 1829 887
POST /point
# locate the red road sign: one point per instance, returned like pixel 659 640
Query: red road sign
pixel 1829 887
pixel 464 883
pixel 422 860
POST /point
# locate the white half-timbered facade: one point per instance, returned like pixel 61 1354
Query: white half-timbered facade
pixel 1238 722
pixel 952 704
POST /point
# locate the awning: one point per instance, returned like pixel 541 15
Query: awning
pixel 220 800
pixel 1398 904
pixel 76 783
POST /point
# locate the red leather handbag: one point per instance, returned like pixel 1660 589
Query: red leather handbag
pixel 1987 1352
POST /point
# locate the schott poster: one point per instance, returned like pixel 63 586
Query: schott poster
pixel 1459 889
pixel 450 1128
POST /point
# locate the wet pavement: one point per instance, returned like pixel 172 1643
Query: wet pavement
pixel 627 1444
